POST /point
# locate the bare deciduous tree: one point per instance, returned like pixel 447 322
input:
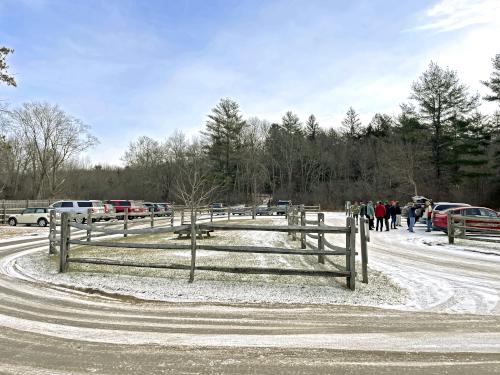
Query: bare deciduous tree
pixel 50 137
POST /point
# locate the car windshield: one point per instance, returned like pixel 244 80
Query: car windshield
pixel 283 203
pixel 124 204
pixel 96 203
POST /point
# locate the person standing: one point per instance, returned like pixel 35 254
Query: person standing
pixel 362 210
pixel 411 216
pixel 428 215
pixel 387 215
pixel 347 208
pixel 398 215
pixel 370 213
pixel 379 215
pixel 355 211
pixel 392 211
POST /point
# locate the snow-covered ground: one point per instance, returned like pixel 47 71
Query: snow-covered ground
pixel 8 233
pixel 459 278
pixel 410 271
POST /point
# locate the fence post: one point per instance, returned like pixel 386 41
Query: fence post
pixel 253 212
pixel 451 229
pixel 52 231
pixel 27 203
pixel 364 249
pixel 125 220
pixel 351 253
pixel 63 251
pixel 193 245
pixel 89 223
pixel 152 218
pixel 172 215
pixel 302 224
pixel 228 213
pixel 463 233
pixel 321 238
pixel 4 211
pixel 294 220
pixel 211 214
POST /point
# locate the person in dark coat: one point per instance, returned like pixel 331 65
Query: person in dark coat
pixel 411 216
pixel 398 215
pixel 379 215
pixel 387 215
pixel 392 211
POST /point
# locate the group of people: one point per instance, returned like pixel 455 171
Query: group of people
pixel 390 212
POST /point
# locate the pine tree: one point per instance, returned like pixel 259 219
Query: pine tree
pixel 442 101
pixel 223 132
pixel 312 127
pixel 4 76
pixel 351 124
pixel 494 83
pixel 291 123
pixel 467 145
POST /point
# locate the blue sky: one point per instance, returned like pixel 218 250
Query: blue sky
pixel 132 68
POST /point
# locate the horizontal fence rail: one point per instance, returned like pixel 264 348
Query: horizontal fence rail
pixel 473 228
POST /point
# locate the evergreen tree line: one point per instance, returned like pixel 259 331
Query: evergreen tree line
pixel 439 145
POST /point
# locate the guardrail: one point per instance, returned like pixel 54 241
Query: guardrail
pixel 195 227
pixel 473 228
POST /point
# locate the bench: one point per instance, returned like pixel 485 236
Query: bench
pixel 199 233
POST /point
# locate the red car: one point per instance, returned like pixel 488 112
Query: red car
pixel 440 219
pixel 133 209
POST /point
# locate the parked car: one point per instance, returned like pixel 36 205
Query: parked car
pixel 440 219
pixel 155 207
pixel 218 208
pixel 167 207
pixel 109 211
pixel 241 210
pixel 133 209
pixel 263 210
pixel 282 206
pixel 443 206
pixel 36 215
pixel 80 208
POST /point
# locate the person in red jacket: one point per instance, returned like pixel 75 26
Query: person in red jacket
pixel 380 214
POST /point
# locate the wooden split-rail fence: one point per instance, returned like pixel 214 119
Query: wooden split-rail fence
pixel 64 240
pixel 473 228
pixel 298 215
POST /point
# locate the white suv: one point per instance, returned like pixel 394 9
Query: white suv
pixel 36 215
pixel 80 208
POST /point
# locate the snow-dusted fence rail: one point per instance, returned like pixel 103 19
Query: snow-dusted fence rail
pixel 153 219
pixel 66 241
pixel 473 228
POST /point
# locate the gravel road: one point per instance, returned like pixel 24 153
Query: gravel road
pixel 46 329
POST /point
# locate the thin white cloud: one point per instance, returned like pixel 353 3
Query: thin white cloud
pixel 449 15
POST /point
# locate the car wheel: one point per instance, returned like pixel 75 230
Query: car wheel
pixel 42 222
pixel 12 222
